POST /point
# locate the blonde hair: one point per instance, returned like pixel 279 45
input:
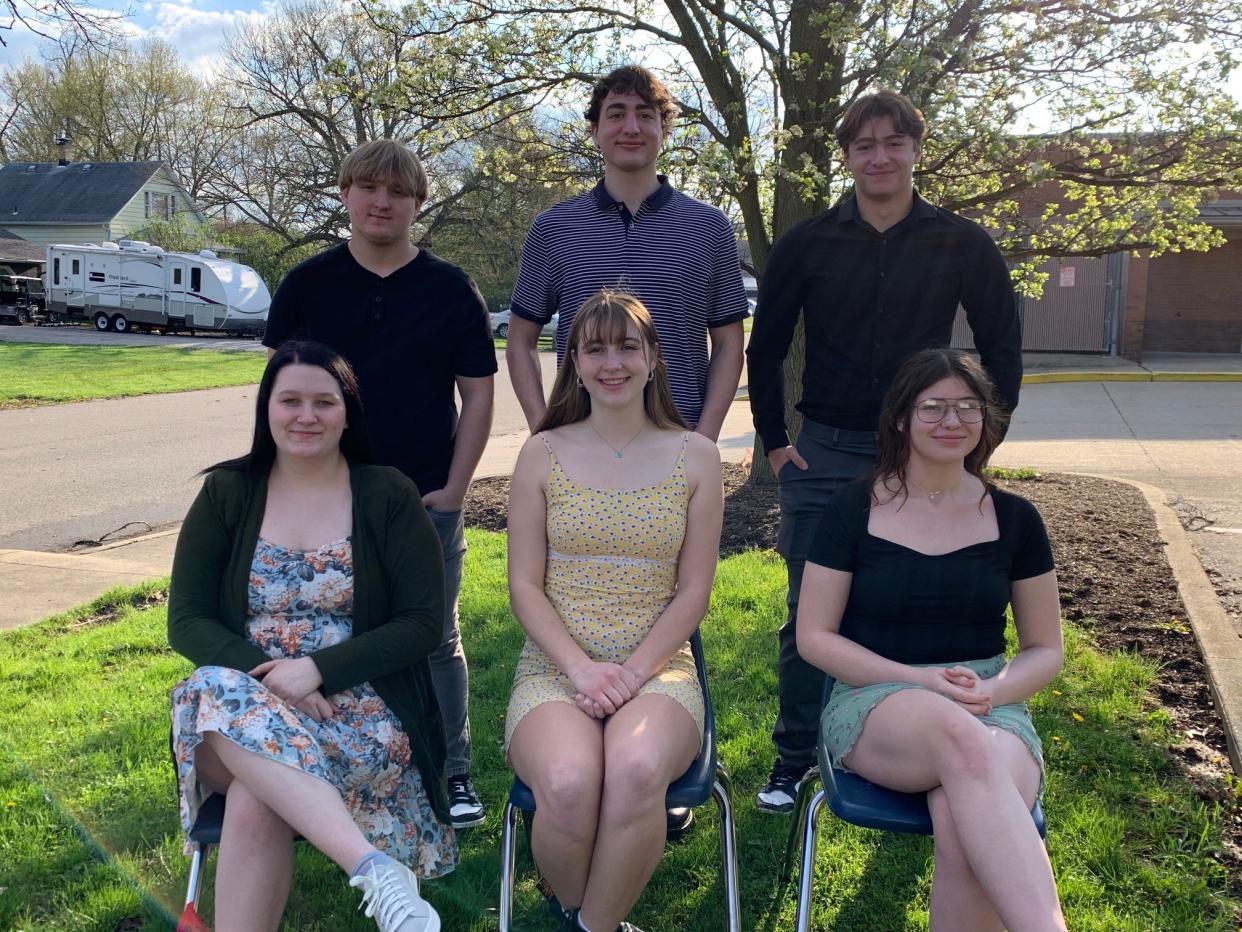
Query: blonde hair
pixel 606 316
pixel 385 160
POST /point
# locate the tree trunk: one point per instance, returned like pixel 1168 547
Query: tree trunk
pixel 812 92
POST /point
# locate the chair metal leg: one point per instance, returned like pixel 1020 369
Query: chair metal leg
pixel 802 801
pixel 193 886
pixel 722 789
pixel 802 919
pixel 508 862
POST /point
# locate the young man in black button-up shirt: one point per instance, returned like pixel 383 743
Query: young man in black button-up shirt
pixel 877 277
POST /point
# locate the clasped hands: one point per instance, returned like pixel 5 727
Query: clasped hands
pixel 297 681
pixel 601 688
pixel 963 685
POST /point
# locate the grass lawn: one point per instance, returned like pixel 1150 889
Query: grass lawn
pixel 40 373
pixel 89 837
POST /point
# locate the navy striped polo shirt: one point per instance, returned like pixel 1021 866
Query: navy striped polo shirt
pixel 677 255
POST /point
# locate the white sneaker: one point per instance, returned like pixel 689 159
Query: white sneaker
pixel 390 897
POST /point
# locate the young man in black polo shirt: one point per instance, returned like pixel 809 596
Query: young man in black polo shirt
pixel 877 277
pixel 414 328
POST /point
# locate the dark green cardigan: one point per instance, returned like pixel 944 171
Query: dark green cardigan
pixel 398 599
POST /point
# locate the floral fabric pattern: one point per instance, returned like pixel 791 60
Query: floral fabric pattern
pixel 301 601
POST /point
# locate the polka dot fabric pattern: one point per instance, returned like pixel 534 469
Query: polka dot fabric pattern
pixel 611 572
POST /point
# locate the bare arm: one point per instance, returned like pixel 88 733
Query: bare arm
pixel 522 357
pixel 606 684
pixel 696 567
pixel 724 371
pixel 473 428
pixel 1037 616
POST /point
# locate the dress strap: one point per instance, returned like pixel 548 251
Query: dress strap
pixel 685 442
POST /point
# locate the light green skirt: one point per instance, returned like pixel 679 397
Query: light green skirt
pixel 848 707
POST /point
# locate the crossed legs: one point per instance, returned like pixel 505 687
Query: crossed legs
pixel 992 870
pixel 600 825
pixel 268 803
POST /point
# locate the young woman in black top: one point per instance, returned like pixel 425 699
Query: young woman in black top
pixel 903 602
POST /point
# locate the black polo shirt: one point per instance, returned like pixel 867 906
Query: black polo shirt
pixel 871 300
pixel 408 336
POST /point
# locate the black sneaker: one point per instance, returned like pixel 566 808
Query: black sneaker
pixel 679 823
pixel 465 807
pixel 781 790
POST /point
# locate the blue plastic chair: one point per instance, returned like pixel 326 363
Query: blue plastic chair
pixel 203 834
pixel 705 778
pixel 857 801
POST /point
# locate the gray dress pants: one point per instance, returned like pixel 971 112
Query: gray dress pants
pixel 449 673
pixel 835 457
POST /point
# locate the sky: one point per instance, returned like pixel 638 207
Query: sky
pixel 196 28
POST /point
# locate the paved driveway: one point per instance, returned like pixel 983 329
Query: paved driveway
pixel 89 336
pixel 1185 438
pixel 78 471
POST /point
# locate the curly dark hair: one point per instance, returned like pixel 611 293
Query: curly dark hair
pixel 633 79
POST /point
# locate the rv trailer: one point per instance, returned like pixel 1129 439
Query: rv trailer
pixel 130 284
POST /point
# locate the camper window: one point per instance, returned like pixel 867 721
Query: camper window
pixel 196 279
pixel 76 267
pixel 177 275
pixel 56 271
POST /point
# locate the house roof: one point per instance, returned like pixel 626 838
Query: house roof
pixel 15 249
pixel 1222 213
pixel 81 192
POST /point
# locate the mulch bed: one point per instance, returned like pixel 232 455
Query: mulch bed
pixel 1115 583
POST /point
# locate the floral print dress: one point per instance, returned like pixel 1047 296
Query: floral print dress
pixel 302 601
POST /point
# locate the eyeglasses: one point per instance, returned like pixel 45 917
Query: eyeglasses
pixel 933 410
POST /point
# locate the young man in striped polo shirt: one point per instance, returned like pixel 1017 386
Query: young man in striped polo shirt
pixel 634 232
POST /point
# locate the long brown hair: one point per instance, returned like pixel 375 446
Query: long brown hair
pixel 924 368
pixel 606 316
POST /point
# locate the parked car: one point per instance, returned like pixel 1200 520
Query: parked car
pixel 21 298
pixel 500 324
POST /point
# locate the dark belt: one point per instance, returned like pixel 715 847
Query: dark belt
pixel 829 434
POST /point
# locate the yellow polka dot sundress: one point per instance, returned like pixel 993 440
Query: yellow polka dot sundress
pixel 611 571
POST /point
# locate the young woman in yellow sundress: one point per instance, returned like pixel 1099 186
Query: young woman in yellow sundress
pixel 614 528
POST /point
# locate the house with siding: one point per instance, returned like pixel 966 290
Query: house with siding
pixel 89 202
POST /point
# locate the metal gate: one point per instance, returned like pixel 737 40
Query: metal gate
pixel 1077 312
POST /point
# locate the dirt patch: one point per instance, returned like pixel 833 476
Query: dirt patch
pixel 1115 583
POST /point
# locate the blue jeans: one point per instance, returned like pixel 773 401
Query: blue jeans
pixel 449 673
pixel 834 457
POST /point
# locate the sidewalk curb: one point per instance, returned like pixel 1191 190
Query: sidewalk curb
pixel 1108 375
pixel 1218 641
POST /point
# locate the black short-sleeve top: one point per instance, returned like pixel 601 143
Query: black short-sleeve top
pixel 913 607
pixel 408 335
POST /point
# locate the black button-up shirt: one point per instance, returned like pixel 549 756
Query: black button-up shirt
pixel 872 299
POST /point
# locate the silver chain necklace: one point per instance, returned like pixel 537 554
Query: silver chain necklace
pixel 616 451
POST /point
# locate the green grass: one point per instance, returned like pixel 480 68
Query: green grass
pixel 38 373
pixel 89 837
pixel 547 343
pixel 1011 474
